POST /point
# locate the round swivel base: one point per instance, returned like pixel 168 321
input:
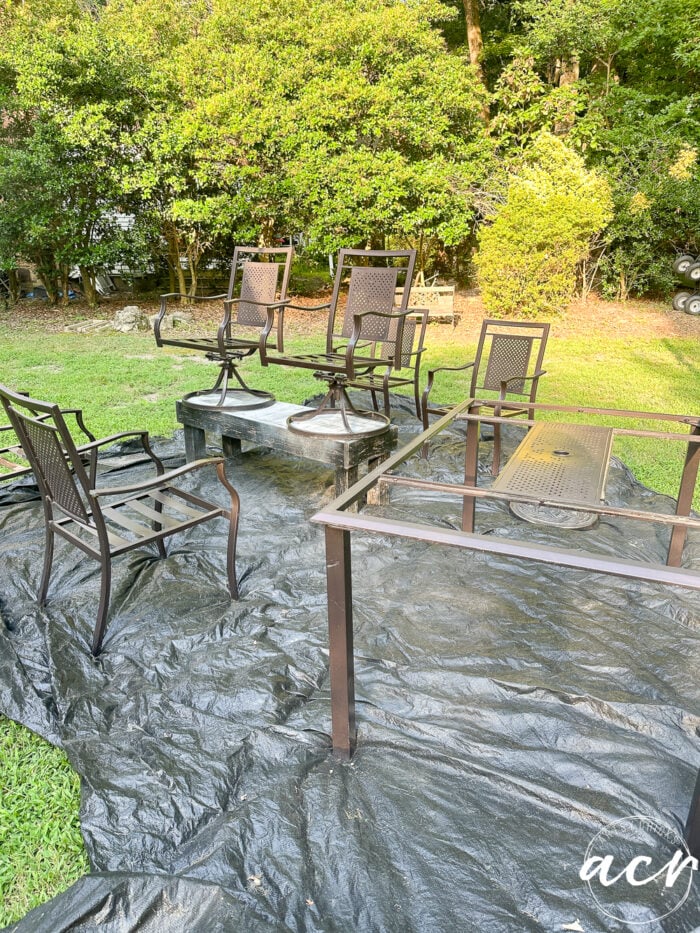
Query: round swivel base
pixel 548 515
pixel 234 399
pixel 337 424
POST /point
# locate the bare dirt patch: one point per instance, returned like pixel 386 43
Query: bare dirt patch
pixel 619 320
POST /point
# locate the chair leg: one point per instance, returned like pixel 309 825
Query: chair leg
pixel 387 404
pixel 46 573
pixel 375 402
pixel 157 526
pixel 496 463
pixel 103 609
pixel 232 531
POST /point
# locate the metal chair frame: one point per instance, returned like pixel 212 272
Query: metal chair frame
pixel 77 511
pixel 508 361
pixel 364 340
pixel 24 469
pixel 413 347
pixel 258 292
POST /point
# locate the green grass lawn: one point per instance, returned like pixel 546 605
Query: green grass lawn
pixel 41 850
pixel 124 382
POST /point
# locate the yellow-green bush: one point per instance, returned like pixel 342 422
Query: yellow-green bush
pixel 528 255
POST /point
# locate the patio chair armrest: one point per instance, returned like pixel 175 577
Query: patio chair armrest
pixel 279 306
pixel 192 297
pixel 100 442
pixel 78 415
pixel 265 332
pixel 322 307
pixel 158 480
pixel 249 301
pixel 533 378
pixel 353 342
pixel 93 447
pixel 164 306
pixel 441 369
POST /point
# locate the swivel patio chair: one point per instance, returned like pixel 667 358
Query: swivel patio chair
pixel 257 286
pixel 19 465
pixel 107 522
pixel 369 334
pixel 508 362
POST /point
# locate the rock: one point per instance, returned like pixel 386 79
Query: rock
pixel 130 318
pixel 170 320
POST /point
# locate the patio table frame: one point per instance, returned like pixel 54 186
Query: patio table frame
pixel 339 523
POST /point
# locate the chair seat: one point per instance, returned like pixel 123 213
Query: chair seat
pixel 130 521
pixel 210 345
pixel 334 363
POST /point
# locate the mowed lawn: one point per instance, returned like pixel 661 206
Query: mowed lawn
pixel 649 361
pixel 619 356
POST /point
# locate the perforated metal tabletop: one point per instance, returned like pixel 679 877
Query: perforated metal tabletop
pixel 559 463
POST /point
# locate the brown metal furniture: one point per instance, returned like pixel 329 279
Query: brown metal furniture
pixel 508 361
pixel 257 287
pixel 367 335
pixel 339 522
pixel 107 522
pixel 390 378
pixel 20 466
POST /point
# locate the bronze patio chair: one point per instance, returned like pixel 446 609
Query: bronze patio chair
pixel 362 338
pixel 107 522
pixel 257 285
pixel 508 362
pixel 20 465
pixel 390 378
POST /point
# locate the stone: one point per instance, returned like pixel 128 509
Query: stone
pixel 170 320
pixel 130 318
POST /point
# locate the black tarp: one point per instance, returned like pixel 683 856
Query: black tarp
pixel 507 712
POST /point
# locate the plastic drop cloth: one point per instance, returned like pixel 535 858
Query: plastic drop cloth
pixel 507 712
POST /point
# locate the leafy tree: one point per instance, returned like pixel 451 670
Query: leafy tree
pixel 360 127
pixel 68 109
pixel 528 256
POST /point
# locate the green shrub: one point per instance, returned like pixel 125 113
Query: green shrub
pixel 528 255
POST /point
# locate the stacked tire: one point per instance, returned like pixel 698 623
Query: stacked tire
pixel 687 268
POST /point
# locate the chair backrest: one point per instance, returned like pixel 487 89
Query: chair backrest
pixel 374 276
pixel 262 279
pixel 51 452
pixel 412 339
pixel 506 350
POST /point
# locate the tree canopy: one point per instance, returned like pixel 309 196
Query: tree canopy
pixel 351 122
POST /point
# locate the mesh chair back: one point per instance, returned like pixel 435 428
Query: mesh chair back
pixel 508 350
pixel 259 274
pixel 41 442
pixel 371 289
pixel 409 333
pixel 509 356
pixel 259 283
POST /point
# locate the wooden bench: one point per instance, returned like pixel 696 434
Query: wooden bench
pixel 438 299
pixel 267 427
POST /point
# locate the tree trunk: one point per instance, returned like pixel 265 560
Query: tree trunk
pixel 88 279
pixel 64 285
pixel 14 285
pixel 193 263
pixel 173 241
pixel 266 232
pixel 476 43
pixel 48 275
